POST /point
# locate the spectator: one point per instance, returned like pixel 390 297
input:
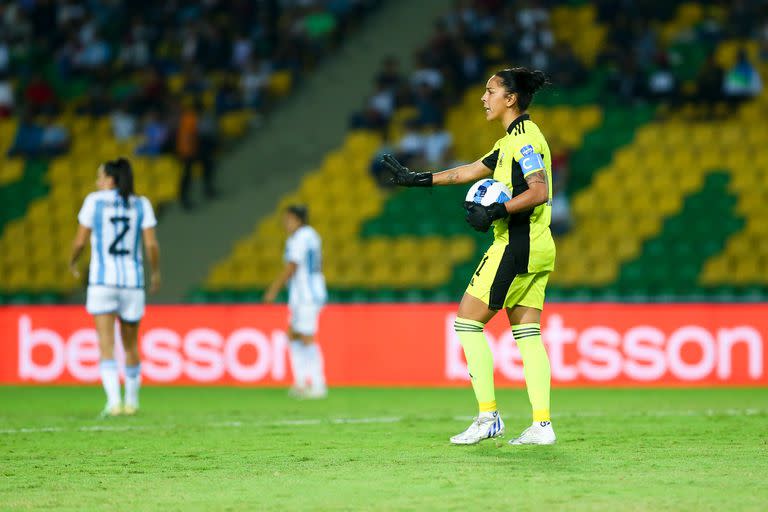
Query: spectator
pixel 35 139
pixel 155 135
pixel 6 96
pixel 566 69
pixel 742 15
pixel 382 102
pixel 319 26
pixel 5 57
pixel 134 51
pixel 70 13
pixel 123 123
pixel 709 82
pixel 95 104
pixel 646 44
pixel 662 83
pixel 427 105
pixel 194 80
pixel 437 145
pixel 40 96
pixel 389 75
pixel 742 81
pixel 228 96
pixel 377 111
pixel 55 139
pixel 153 92
pixel 625 81
pixel 426 74
pixel 242 51
pixel 187 146
pixel 535 45
pixel 254 82
pixel 531 15
pixel 471 66
pixel 561 207
pixel 412 145
pixel 562 220
pixel 196 140
pixel 29 138
pixel 208 141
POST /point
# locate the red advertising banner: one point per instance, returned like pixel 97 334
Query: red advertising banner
pixel 400 345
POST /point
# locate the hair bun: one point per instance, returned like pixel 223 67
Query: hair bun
pixel 536 80
pixel 524 82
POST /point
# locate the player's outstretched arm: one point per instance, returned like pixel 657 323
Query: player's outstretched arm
pixel 404 177
pixel 467 173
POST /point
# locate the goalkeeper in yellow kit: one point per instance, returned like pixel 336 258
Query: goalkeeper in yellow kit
pixel 513 272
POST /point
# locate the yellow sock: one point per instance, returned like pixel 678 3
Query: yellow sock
pixel 479 361
pixel 535 368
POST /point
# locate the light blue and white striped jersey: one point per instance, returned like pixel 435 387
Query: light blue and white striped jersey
pixel 116 248
pixel 307 285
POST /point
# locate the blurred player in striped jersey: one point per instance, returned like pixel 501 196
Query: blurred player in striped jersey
pixel 306 296
pixel 118 223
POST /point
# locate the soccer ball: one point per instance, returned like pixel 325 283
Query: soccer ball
pixel 488 191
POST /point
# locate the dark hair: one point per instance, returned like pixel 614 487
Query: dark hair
pixel 300 211
pixel 121 172
pixel 524 82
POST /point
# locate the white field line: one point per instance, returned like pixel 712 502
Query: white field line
pixel 381 420
pixel 701 413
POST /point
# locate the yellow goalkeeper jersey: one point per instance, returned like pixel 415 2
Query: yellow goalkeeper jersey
pixel 521 152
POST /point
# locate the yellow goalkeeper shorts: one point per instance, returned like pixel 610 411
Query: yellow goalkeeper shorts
pixel 496 282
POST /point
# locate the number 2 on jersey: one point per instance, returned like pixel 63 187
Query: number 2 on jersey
pixel 123 223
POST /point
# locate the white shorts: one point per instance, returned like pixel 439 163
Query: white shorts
pixel 127 303
pixel 303 318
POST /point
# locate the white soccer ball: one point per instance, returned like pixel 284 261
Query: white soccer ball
pixel 488 191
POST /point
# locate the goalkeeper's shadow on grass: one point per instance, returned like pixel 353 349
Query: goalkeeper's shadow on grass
pixel 553 455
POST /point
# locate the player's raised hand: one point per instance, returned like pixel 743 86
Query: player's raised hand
pixel 481 217
pixel 403 176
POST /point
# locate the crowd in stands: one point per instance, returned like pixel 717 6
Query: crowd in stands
pixel 157 69
pixel 643 67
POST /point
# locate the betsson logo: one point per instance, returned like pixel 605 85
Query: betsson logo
pixel 642 353
pixel 202 355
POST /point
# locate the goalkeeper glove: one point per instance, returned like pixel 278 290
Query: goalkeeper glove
pixel 403 176
pixel 481 217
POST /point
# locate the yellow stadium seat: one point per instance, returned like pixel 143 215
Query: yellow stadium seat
pixel 280 83
pixel 11 169
pixel 234 124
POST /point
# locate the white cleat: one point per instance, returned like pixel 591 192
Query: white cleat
pixel 316 394
pixel 130 410
pixel 297 392
pixel 111 412
pixel 540 432
pixel 486 426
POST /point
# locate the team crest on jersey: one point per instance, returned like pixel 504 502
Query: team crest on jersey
pixel 501 159
pixel 527 150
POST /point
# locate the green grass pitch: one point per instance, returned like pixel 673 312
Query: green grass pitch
pixel 381 449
